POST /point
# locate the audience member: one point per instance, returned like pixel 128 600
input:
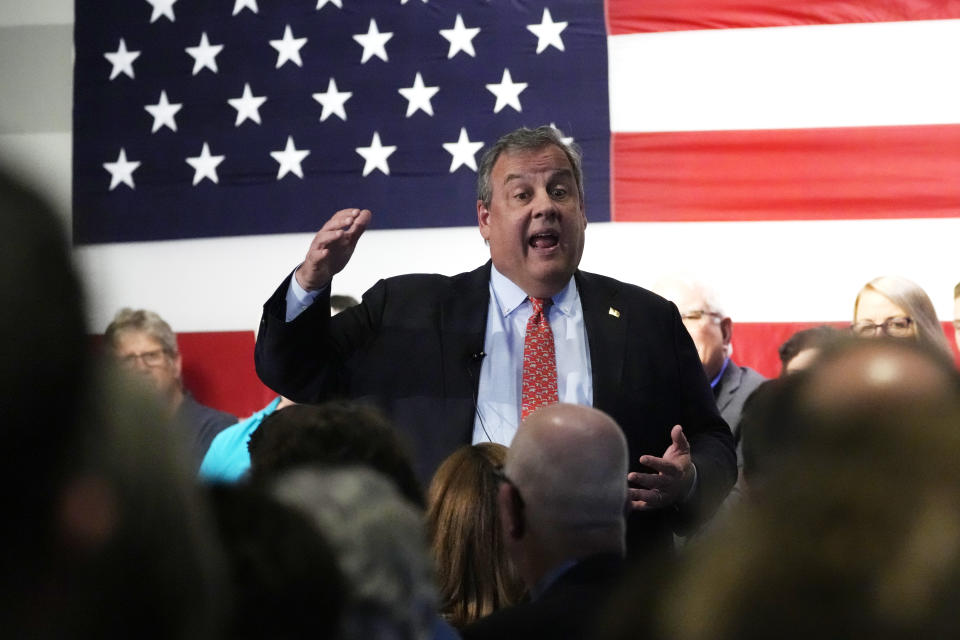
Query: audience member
pixel 332 434
pixel 897 308
pixel 856 531
pixel 562 507
pixel 378 539
pixel 712 331
pixel 228 458
pixel 444 356
pixel 284 575
pixel 801 349
pixel 475 576
pixel 143 343
pixel 104 534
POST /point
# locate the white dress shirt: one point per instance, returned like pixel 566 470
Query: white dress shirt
pixel 501 373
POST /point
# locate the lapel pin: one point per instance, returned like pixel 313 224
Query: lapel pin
pixel 614 312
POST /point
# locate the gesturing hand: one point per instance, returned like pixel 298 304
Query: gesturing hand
pixel 331 248
pixel 673 478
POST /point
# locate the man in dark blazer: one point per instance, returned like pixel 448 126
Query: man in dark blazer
pixel 562 523
pixel 428 350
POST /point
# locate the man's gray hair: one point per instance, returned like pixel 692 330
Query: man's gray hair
pixel 148 322
pixel 524 139
pixel 380 544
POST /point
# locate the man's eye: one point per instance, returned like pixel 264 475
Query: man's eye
pixel 559 192
pixel 523 195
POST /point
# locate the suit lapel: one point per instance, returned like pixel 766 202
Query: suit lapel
pixel 606 326
pixel 463 323
pixel 729 383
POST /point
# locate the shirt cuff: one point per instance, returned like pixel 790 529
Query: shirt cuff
pixel 298 298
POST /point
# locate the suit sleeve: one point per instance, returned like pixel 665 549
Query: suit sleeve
pixel 308 358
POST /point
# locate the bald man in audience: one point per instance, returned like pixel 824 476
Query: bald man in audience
pixel 562 503
pixel 712 332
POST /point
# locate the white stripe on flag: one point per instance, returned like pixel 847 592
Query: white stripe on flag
pixel 893 73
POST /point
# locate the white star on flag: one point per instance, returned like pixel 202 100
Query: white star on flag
pixel 240 5
pixel 333 101
pixel 122 60
pixel 373 42
pixel 289 159
pixel 161 8
pixel 418 96
pixel 375 156
pixel 565 139
pixel 121 170
pixel 507 92
pixel 163 113
pixel 460 38
pixel 205 165
pixel 547 32
pixel 247 105
pixel 463 151
pixel 288 48
pixel 204 54
pixel 321 3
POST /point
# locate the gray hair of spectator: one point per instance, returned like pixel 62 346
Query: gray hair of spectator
pixel 339 302
pixel 380 544
pixel 688 281
pixel 148 322
pixel 915 302
pixel 524 139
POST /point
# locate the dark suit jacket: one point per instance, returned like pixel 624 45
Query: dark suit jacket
pixel 567 609
pixel 735 387
pixel 410 348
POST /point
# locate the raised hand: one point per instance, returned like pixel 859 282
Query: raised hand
pixel 331 248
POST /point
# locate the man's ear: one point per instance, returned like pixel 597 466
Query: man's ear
pixel 726 328
pixel 483 220
pixel 511 511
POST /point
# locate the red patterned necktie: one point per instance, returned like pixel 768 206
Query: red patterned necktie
pixel 539 361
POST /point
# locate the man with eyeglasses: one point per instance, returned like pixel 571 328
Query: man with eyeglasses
pixel 712 332
pixel 144 344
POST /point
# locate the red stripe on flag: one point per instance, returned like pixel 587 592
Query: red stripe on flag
pixel 630 16
pixel 756 344
pixel 787 174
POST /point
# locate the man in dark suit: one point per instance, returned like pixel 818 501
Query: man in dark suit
pixel 444 356
pixel 561 506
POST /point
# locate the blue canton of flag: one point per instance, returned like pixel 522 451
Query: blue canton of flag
pixel 237 117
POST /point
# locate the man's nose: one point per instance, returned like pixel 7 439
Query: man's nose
pixel 543 205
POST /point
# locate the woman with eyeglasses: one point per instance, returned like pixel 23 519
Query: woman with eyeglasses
pixel 899 308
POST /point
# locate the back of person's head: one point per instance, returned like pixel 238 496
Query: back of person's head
pixel 857 530
pixel 807 344
pixel 43 369
pixel 915 304
pixel 284 576
pixel 135 553
pixel 474 574
pixel 569 465
pixel 379 542
pixel 332 434
pixel 341 302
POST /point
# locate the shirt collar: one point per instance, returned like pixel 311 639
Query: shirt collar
pixel 716 380
pixel 509 296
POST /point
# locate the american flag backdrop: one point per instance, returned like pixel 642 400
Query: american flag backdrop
pixel 785 152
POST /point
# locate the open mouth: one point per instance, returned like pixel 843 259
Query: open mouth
pixel 544 240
